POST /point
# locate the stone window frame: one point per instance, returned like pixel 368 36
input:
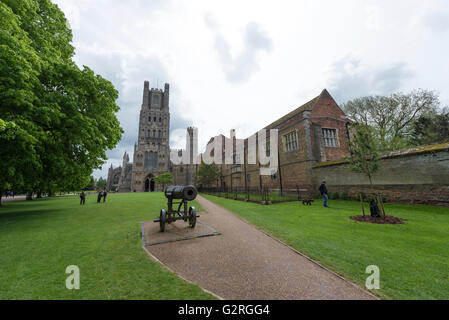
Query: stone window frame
pixel 286 143
pixel 155 99
pixel 248 177
pixel 333 137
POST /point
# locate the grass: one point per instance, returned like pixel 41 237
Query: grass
pixel 40 238
pixel 413 258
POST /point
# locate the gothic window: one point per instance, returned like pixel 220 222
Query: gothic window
pixel 154 133
pixel 291 141
pixel 156 99
pixel 149 118
pixel 146 163
pixel 160 119
pixel 153 160
pixel 248 177
pixel 330 137
pixel 158 146
pixel 273 177
pixel 159 134
pixel 267 149
pixel 154 119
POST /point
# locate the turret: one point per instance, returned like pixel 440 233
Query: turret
pixel 146 94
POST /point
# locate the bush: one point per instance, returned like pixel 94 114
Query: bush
pixel 334 195
pixel 344 196
pixel 364 197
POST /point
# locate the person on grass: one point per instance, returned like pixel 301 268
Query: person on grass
pixel 323 191
pixel 100 194
pixel 83 198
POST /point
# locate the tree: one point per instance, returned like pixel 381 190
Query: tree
pixel 66 115
pixel 207 174
pixel 91 184
pixel 430 129
pixel 164 179
pixel 101 183
pixel 364 156
pixel 391 117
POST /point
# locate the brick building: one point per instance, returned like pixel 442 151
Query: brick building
pixel 314 132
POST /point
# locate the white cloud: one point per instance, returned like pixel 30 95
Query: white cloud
pixel 242 64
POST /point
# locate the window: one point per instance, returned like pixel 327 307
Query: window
pixel 248 177
pixel 156 99
pixel 149 118
pixel 154 133
pixel 160 119
pixel 267 149
pixel 159 134
pixel 291 141
pixel 154 119
pixel 330 137
pixel 273 177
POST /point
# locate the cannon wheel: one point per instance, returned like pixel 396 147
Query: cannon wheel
pixel 162 220
pixel 192 217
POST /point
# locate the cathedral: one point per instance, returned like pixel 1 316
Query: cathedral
pixel 152 151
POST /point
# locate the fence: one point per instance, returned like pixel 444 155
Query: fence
pixel 263 195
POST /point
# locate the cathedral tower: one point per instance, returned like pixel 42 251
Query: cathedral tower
pixel 152 151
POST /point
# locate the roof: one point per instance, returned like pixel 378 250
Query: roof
pixel 308 106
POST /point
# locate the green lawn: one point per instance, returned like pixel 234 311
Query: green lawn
pixel 40 238
pixel 413 258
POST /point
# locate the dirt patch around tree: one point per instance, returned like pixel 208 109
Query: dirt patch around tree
pixel 369 219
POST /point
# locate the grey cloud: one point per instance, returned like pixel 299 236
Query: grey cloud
pixel 349 79
pixel 437 21
pixel 243 65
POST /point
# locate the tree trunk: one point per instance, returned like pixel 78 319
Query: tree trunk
pixel 39 195
pixel 1 194
pixel 29 196
pixel 382 206
pixel 361 201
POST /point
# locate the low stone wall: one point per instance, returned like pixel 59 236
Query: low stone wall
pixel 418 175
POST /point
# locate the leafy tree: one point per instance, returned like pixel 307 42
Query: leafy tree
pixel 429 129
pixel 391 117
pixel 65 115
pixel 207 174
pixel 364 156
pixel 164 179
pixel 91 184
pixel 101 183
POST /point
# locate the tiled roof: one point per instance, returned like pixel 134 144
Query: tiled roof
pixel 305 107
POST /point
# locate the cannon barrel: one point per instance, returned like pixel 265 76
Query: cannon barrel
pixel 188 193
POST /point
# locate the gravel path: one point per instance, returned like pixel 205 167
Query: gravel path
pixel 245 263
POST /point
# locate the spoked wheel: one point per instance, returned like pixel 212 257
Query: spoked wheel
pixel 192 217
pixel 162 220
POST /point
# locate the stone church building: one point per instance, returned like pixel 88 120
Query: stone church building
pixel 314 132
pixel 152 151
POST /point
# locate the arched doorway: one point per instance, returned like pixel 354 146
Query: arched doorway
pixel 149 183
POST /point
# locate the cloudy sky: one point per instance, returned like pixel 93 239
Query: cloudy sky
pixel 243 64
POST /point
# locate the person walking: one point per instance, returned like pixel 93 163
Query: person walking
pixel 323 191
pixel 105 193
pixel 82 197
pixel 100 194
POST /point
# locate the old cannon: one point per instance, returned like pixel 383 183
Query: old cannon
pixel 185 194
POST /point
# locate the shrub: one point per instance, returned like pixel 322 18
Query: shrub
pixel 344 196
pixel 334 195
pixel 364 197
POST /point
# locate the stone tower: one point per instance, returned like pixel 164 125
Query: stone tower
pixel 152 151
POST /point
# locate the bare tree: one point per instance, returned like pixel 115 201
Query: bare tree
pixel 391 117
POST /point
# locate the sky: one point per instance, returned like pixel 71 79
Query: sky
pixel 243 64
